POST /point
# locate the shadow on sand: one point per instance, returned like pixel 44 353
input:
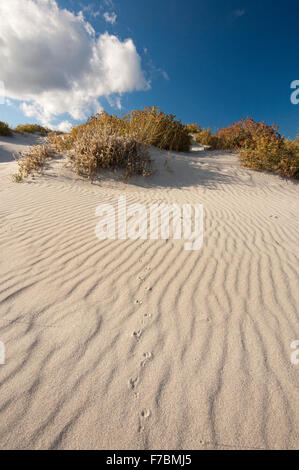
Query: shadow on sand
pixel 197 168
pixel 10 146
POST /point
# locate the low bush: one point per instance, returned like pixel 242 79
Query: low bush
pixel 260 146
pixel 245 134
pixel 33 160
pixel 155 128
pixel 206 137
pixel 5 130
pixel 242 134
pixel 97 147
pixel 193 128
pixel 102 121
pixel 108 142
pixel 59 141
pixel 272 154
pixel 31 129
pixel 150 126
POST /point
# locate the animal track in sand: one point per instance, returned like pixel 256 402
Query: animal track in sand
pixel 147 357
pixel 204 319
pixel 146 317
pixel 137 335
pixel 144 415
pixel 133 382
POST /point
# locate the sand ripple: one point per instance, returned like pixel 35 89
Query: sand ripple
pixel 140 344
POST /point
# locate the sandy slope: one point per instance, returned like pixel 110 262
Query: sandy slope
pixel 140 344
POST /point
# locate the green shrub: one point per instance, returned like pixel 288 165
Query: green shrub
pixel 5 129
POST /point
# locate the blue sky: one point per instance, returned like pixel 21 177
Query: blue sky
pixel 211 62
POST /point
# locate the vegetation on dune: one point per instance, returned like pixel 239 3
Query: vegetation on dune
pixel 33 161
pixel 31 129
pixel 193 128
pixel 96 148
pixel 207 138
pixel 90 147
pixel 260 146
pixel 5 130
pixel 110 142
pixel 153 127
pixel 268 150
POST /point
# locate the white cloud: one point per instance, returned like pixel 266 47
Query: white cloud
pixel 109 3
pixel 239 13
pixel 55 63
pixel 165 75
pixel 110 17
pixel 90 10
pixel 64 126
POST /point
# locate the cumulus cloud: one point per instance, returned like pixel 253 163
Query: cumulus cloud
pixel 64 126
pixel 55 63
pixel 110 17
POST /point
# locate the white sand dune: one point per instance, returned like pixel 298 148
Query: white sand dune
pixel 140 344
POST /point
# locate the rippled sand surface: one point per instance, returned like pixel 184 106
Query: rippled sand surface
pixel 140 344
